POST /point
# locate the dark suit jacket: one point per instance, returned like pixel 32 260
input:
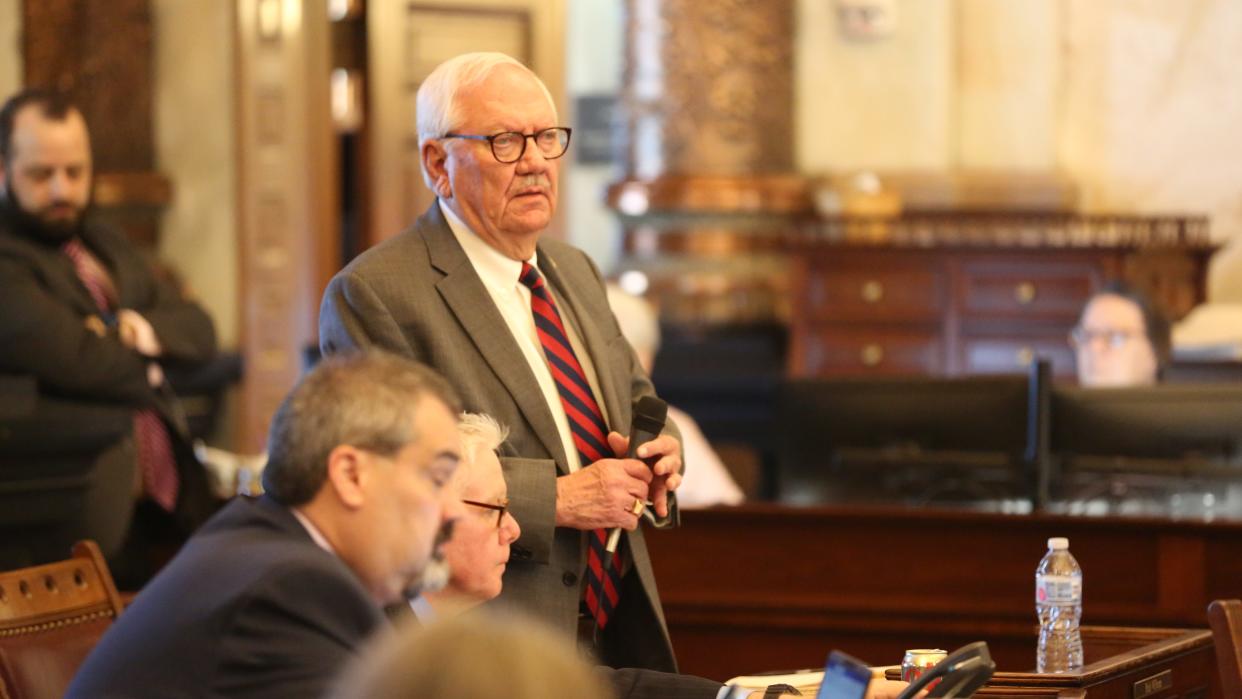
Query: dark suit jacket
pixel 250 607
pixel 418 295
pixel 43 334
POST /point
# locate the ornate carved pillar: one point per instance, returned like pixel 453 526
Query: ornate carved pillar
pixel 288 204
pixel 707 130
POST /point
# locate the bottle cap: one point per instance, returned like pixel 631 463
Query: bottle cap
pixel 1058 543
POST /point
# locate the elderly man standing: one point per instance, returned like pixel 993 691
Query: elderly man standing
pixel 274 595
pixel 520 325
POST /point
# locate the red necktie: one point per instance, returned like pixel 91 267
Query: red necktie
pixel 589 432
pixel 155 454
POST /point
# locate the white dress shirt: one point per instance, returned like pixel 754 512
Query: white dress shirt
pixel 500 277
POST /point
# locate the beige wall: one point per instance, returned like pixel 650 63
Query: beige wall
pixel 10 50
pixel 885 104
pixel 594 46
pixel 1136 101
pixel 1151 106
pixel 195 147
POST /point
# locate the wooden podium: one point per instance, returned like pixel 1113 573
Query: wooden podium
pixel 1122 662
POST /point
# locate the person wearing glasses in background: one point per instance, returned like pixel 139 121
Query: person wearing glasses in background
pixel 1121 339
pixel 478 550
pixel 519 323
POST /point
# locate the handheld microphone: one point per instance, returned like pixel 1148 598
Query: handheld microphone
pixel 650 414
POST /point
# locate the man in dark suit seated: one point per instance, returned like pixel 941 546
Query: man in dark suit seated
pixel 273 595
pixel 82 312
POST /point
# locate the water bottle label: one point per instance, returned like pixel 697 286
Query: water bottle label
pixel 1058 589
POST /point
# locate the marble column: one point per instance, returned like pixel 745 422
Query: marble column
pixel 706 132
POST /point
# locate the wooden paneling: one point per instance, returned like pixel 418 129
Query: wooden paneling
pixel 1028 288
pixel 287 199
pixel 862 349
pixel 762 587
pixel 98 52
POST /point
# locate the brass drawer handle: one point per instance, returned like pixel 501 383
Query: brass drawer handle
pixel 1024 293
pixel 872 291
pixel 872 355
pixel 1025 356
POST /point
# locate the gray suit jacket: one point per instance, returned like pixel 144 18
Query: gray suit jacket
pixel 418 295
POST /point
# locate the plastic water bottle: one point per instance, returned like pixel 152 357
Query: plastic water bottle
pixel 1058 600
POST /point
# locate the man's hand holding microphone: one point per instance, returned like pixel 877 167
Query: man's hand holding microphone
pixel 612 493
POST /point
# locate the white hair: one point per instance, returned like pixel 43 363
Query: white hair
pixel 437 96
pixel 478 433
pixel 637 318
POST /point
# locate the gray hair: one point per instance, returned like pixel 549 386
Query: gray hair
pixel 478 433
pixel 363 399
pixel 437 109
pixel 525 660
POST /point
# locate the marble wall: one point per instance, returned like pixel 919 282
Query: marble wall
pixel 1133 100
pixel 10 49
pixel 1150 100
pixel 195 147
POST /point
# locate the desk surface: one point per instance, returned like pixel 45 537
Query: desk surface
pixel 875 581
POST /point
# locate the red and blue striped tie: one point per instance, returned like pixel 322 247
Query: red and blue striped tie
pixel 590 433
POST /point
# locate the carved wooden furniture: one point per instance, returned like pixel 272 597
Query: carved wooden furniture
pixel 1225 616
pixel 960 294
pixel 761 587
pixel 51 616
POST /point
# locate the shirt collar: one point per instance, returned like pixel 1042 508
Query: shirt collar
pixel 492 266
pixel 314 532
pixel 422 609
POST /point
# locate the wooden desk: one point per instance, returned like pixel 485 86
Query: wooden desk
pixel 1122 663
pixel 763 587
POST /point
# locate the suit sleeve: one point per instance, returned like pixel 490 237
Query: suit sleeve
pixel 40 335
pixel 632 683
pixel 184 329
pixel 352 317
pixel 532 500
pixel 295 632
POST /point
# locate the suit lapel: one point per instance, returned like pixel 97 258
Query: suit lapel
pixel 463 292
pixel 106 255
pixel 591 338
pixel 61 278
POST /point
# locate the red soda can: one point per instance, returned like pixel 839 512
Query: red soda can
pixel 918 661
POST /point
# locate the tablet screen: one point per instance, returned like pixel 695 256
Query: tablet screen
pixel 844 678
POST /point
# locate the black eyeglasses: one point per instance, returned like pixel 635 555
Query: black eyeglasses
pixel 510 146
pixel 1113 338
pixel 500 509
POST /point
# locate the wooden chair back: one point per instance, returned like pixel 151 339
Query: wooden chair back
pixel 51 616
pixel 1225 616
